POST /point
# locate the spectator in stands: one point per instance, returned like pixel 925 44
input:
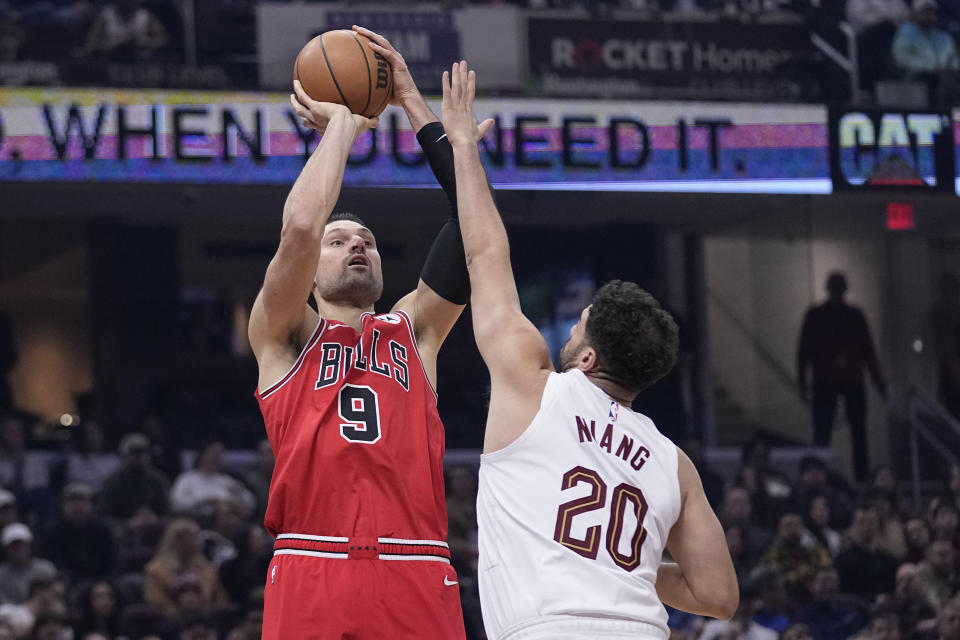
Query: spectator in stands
pixel 198 627
pixel 21 471
pixel 939 573
pixel 885 480
pixel 875 23
pixel 946 521
pixel 772 610
pixel 179 555
pixel 865 570
pixel 890 535
pixel 138 540
pixel 51 625
pixel 8 509
pixel 137 483
pixel 953 484
pixel 125 31
pixel 80 545
pixel 835 341
pixel 248 569
pixel 911 603
pixel 99 610
pixel 89 462
pixel 47 594
pixel 950 374
pixel 20 565
pixel 713 482
pixel 252 626
pixel 768 488
pixel 866 14
pixel 197 491
pixel 737 546
pixel 258 479
pixel 813 480
pixel 796 631
pixel 795 562
pixel 738 512
pixel 741 626
pixel 462 517
pixel 922 51
pixel 818 530
pixel 829 616
pixel 884 625
pixel 163 445
pixel 220 541
pixel 948 623
pixel 918 535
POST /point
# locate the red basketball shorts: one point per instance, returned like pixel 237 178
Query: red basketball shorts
pixel 322 588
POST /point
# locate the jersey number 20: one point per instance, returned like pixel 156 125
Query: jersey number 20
pixel 625 497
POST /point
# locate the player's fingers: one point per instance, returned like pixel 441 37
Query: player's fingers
pixel 463 82
pixel 445 86
pixel 484 126
pixel 301 94
pixel 375 37
pixel 298 108
pixel 455 80
pixel 471 87
pixel 392 55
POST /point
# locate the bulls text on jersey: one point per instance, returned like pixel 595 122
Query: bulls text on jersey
pixel 388 360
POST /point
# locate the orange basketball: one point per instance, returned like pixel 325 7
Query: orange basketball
pixel 339 66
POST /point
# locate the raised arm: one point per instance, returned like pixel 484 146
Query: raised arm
pixel 444 286
pixel 512 348
pixel 279 311
pixel 702 580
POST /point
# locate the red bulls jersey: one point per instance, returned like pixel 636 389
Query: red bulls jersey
pixel 357 437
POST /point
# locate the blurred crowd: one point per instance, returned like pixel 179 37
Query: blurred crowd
pixel 818 557
pixel 148 541
pixel 821 559
pixel 114 30
pixel 100 545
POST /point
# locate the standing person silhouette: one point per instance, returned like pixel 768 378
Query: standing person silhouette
pixel 835 342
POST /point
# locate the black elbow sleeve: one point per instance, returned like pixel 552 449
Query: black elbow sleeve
pixel 445 270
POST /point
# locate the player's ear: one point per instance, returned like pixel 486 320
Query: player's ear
pixel 588 360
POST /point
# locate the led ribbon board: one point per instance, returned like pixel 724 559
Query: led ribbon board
pixel 254 138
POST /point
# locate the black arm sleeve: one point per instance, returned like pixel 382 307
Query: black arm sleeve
pixel 433 141
pixel 445 270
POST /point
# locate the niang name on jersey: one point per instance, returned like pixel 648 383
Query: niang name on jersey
pixel 587 432
pixel 336 360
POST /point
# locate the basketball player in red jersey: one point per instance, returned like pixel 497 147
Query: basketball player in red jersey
pixel 357 498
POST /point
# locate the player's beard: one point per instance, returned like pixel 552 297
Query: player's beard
pixel 360 289
pixel 567 357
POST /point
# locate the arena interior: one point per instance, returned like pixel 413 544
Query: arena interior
pixel 734 157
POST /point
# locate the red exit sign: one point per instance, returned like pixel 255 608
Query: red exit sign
pixel 899 216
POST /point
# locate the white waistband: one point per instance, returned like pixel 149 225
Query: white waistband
pixel 314 538
pixel 566 627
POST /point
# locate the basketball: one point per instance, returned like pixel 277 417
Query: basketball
pixel 340 66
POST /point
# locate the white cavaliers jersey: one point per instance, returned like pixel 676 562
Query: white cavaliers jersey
pixel 573 519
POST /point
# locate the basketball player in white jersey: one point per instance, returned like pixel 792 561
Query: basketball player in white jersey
pixel 579 496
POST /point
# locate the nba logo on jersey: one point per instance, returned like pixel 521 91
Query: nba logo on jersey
pixel 614 411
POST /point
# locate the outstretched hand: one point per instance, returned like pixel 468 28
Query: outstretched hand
pixel 459 89
pixel 403 85
pixel 317 115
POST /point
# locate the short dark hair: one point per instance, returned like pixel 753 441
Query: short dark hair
pixel 346 215
pixel 636 340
